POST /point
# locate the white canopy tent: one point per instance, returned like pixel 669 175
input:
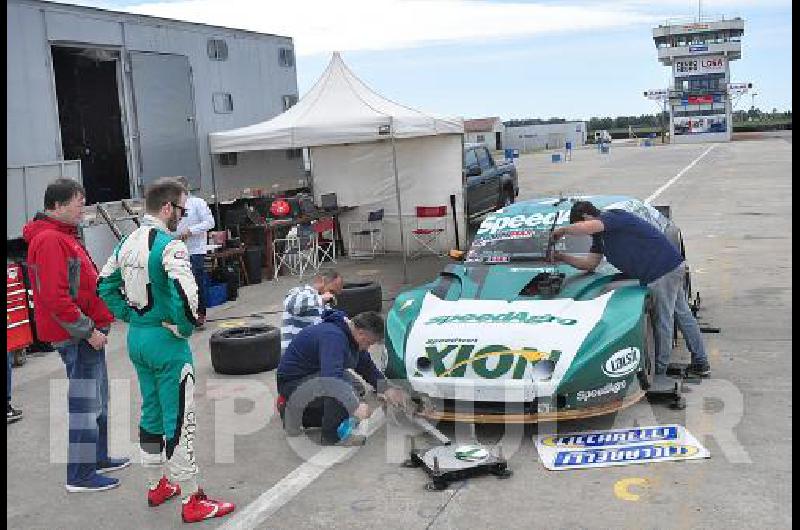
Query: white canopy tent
pixel 372 152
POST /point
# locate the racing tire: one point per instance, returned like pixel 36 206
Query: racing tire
pixel 356 298
pixel 245 350
pixel 648 371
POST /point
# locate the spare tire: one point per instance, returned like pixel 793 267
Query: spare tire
pixel 359 297
pixel 245 350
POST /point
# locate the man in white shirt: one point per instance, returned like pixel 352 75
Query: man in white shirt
pixel 193 230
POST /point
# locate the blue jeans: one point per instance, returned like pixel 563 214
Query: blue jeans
pixel 88 409
pixel 671 305
pixel 198 270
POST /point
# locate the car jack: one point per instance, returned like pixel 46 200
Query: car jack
pixel 671 396
pixel 447 463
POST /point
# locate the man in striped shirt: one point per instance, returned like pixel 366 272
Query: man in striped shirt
pixel 303 306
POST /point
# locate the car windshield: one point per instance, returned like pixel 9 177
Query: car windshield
pixel 522 245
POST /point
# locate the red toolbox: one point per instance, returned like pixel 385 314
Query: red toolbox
pixel 19 325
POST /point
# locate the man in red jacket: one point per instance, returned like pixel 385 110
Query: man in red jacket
pixel 70 314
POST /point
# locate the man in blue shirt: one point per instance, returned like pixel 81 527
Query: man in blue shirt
pixel 312 376
pixel 642 252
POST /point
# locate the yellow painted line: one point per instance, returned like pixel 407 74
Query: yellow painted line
pixel 233 324
pixel 621 488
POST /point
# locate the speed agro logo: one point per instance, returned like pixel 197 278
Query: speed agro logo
pixel 510 360
pixel 595 393
pixel 512 317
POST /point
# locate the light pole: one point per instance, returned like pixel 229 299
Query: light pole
pixel 753 100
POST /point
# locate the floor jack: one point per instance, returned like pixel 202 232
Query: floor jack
pixel 447 463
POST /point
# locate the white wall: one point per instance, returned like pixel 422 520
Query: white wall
pixel 545 136
pixel 269 170
pixel 362 175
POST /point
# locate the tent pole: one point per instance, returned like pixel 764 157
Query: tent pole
pixel 464 195
pixel 213 185
pixel 399 207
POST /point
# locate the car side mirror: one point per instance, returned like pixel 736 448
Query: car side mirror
pixel 474 171
pixel 456 255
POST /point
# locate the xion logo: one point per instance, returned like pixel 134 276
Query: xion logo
pixel 515 361
pixel 622 363
pixel 512 317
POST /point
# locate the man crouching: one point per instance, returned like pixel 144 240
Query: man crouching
pixel 314 386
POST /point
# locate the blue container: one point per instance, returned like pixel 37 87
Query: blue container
pixel 217 294
pixel 346 428
pixel 556 157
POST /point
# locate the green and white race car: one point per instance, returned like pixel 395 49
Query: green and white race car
pixel 507 336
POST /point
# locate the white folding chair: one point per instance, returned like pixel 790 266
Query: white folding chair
pixel 365 238
pixel 431 228
pixel 296 253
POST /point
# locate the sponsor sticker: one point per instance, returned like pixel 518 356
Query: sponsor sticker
pixel 614 387
pixel 622 362
pixel 619 447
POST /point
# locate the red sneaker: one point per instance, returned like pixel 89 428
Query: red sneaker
pixel 200 507
pixel 163 491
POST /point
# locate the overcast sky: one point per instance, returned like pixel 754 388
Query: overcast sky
pixel 513 59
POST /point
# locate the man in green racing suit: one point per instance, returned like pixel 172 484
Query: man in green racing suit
pixel 148 283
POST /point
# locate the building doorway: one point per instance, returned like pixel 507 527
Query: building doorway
pixel 498 139
pixel 90 117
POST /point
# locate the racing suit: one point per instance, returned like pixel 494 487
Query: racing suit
pixel 148 283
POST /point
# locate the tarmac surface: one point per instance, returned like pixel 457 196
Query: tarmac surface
pixel 734 208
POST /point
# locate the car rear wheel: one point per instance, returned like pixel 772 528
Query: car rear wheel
pixel 648 367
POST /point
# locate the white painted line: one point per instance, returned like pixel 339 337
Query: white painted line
pixel 274 498
pixel 679 175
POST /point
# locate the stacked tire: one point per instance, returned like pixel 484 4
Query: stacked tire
pixel 359 297
pixel 245 349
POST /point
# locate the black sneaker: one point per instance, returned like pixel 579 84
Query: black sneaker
pixel 13 414
pixel 699 370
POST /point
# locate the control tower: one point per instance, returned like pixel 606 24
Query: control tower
pixel 699 53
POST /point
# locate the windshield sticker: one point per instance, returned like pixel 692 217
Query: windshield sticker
pixel 493 223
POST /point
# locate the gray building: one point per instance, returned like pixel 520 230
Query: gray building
pixel 133 98
pixel 699 53
pixel 528 138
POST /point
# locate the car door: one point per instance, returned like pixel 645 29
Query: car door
pixel 473 182
pixel 489 188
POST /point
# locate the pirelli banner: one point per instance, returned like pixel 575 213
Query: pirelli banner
pixel 618 447
pixel 710 64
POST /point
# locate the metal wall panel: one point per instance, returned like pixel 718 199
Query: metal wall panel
pixel 76 27
pixel 165 116
pixel 32 129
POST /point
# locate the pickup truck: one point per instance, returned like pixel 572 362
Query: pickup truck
pixel 489 185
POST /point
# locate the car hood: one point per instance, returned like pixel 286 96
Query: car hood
pixel 473 324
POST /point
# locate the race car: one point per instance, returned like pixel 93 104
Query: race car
pixel 509 336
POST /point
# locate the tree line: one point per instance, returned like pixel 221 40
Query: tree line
pixel 649 120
